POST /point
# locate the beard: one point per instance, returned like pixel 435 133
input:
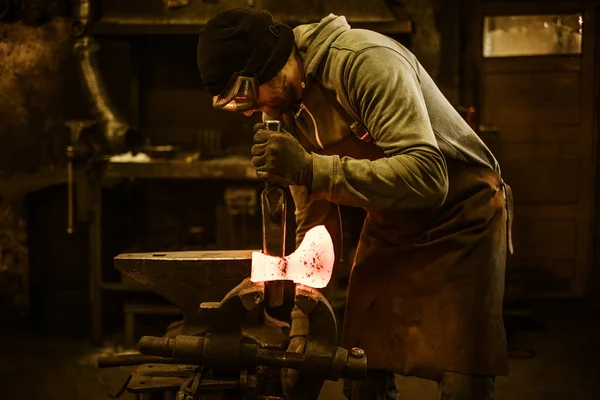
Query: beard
pixel 285 97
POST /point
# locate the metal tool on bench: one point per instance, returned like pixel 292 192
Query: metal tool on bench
pixel 89 143
pixel 79 151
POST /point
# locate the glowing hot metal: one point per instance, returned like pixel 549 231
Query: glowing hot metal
pixel 311 264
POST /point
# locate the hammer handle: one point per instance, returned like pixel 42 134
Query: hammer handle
pixel 274 208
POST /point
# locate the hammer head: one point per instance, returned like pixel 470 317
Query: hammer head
pixel 311 264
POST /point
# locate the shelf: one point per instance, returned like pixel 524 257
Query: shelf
pixel 228 168
pixel 140 17
pixel 140 26
pixel 387 28
pixel 123 287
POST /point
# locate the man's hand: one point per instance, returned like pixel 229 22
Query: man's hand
pixel 280 158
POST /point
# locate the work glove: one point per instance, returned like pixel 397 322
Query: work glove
pixel 298 335
pixel 280 159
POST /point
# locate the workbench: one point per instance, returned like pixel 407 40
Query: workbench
pixel 234 168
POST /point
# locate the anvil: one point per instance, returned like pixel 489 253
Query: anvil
pixel 188 278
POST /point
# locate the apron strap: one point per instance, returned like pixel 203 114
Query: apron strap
pixel 508 198
pixel 356 126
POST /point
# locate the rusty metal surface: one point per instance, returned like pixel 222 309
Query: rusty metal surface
pixel 34 76
pixel 142 17
pixel 188 278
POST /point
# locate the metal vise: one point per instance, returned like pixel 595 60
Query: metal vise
pixel 232 361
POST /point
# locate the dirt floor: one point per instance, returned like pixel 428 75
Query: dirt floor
pixel 566 365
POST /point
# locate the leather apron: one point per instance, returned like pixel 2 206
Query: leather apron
pixel 426 288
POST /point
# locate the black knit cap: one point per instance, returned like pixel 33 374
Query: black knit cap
pixel 229 40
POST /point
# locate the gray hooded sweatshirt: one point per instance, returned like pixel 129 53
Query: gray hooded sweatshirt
pixel 407 302
pixel 381 84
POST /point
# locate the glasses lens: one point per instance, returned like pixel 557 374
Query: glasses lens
pixel 241 96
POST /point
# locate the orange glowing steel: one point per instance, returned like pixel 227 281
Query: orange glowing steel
pixel 311 264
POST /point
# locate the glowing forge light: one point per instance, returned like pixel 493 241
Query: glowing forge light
pixel 311 264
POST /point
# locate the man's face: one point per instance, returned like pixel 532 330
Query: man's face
pixel 276 96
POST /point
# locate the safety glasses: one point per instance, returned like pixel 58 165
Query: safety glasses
pixel 241 92
pixel 239 95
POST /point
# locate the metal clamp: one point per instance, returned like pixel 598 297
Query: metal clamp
pixel 226 356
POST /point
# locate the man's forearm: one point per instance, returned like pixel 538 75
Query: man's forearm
pixel 412 180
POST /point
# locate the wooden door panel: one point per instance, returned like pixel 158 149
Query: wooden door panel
pixel 540 171
pixel 539 131
pixel 543 182
pixel 530 98
pixel 554 238
pixel 541 150
pixel 541 158
pixel 546 244
pixel 535 65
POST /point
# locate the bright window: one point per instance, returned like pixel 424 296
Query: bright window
pixel 532 35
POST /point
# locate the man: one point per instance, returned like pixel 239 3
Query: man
pixel 366 126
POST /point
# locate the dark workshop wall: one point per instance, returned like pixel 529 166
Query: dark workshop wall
pixel 14 263
pixel 154 81
pixel 175 107
pixel 436 39
pixel 38 92
pixel 58 273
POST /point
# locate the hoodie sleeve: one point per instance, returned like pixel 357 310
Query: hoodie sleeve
pixel 384 90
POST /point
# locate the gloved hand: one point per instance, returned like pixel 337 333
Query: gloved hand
pixel 280 158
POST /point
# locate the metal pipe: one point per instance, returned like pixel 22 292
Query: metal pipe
pixel 113 124
pixel 199 351
pixel 280 359
pixel 187 348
